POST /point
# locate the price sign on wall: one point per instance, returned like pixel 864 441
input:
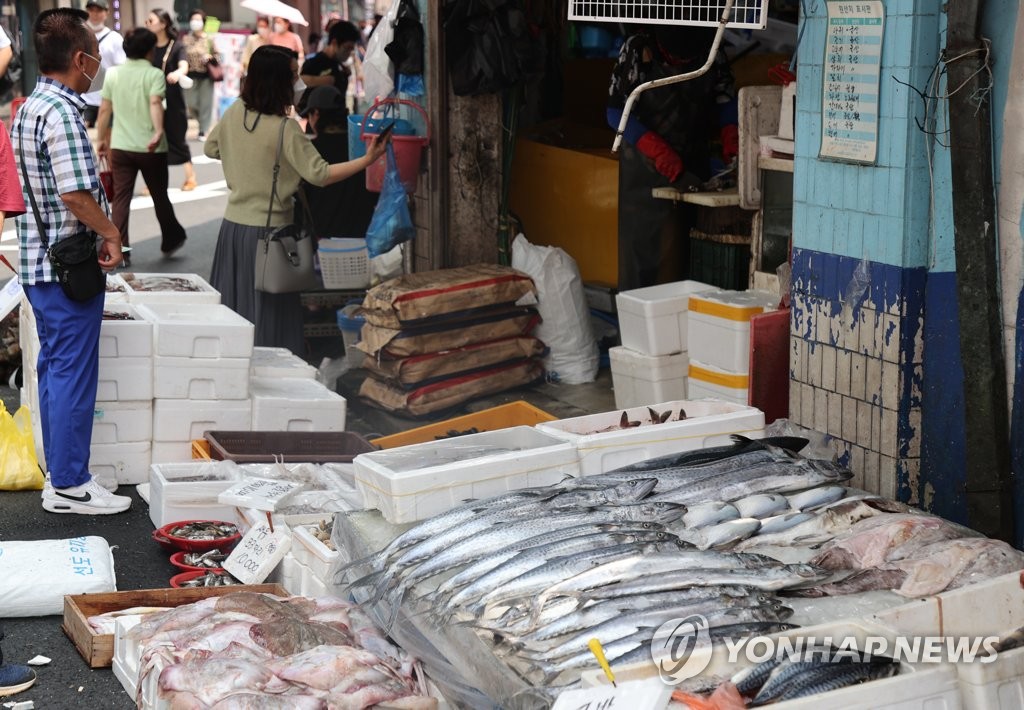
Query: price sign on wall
pixel 257 554
pixel 850 92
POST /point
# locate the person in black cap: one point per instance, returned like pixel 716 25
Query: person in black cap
pixel 343 209
pixel 111 54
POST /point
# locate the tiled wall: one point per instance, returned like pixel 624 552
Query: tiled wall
pixel 861 243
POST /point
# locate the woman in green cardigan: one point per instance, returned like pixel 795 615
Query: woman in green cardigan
pixel 245 141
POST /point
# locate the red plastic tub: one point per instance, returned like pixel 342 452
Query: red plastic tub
pixel 173 543
pixel 178 560
pixel 178 579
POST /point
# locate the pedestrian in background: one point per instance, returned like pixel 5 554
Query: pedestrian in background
pixel 111 54
pixel 134 92
pixel 282 36
pixel 199 52
pixel 169 57
pixel 246 141
pixel 14 677
pixel 254 41
pixel 343 209
pixel 6 52
pixel 59 180
pixel 328 68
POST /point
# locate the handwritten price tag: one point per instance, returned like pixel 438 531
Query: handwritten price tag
pixel 258 553
pixel 259 493
pixel 634 695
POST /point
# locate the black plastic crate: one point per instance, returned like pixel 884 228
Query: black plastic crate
pixel 720 264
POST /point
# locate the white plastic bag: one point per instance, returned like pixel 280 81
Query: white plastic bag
pixel 378 71
pixel 565 327
pixel 35 576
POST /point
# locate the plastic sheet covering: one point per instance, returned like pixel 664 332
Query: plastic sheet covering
pixel 334 477
pixel 820 446
pixel 402 460
pixel 454 657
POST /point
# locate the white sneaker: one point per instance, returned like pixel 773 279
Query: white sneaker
pixel 108 483
pixel 87 499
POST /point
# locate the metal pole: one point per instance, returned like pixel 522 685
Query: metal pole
pixel 635 94
pixel 988 484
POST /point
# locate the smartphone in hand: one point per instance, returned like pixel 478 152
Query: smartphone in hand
pixel 385 135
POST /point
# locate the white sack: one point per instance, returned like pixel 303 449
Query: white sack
pixel 35 576
pixel 565 327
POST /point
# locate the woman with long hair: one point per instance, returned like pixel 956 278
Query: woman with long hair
pixel 246 140
pixel 169 56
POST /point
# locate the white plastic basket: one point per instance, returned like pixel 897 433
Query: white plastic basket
pixel 748 14
pixel 344 263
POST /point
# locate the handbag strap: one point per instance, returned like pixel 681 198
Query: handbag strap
pixel 40 227
pixel 307 212
pixel 167 54
pixel 277 170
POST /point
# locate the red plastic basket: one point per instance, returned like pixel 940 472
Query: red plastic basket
pixel 408 151
pixel 178 560
pixel 178 579
pixel 172 543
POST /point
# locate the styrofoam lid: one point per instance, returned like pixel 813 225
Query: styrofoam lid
pixel 277 358
pixel 740 299
pixel 191 314
pixel 291 389
pixel 675 290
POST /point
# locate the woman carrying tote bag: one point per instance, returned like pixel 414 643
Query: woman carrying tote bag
pixel 246 142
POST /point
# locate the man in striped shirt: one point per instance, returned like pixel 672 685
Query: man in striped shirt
pixel 58 173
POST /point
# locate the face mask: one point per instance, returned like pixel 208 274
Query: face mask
pixel 94 26
pixel 263 32
pixel 300 88
pixel 196 25
pixel 280 28
pixel 95 82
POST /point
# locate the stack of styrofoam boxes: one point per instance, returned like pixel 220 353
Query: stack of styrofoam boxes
pixel 122 426
pixel 314 558
pixel 719 336
pixel 200 374
pixel 651 365
pixel 992 608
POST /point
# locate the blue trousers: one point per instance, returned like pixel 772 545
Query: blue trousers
pixel 68 369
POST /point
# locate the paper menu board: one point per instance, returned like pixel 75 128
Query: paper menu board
pixel 259 493
pixel 850 93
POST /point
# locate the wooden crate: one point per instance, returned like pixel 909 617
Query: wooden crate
pixel 98 649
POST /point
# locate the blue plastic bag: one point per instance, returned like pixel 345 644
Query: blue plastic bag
pixel 391 223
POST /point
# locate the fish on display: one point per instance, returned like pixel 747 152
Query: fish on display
pixel 785 521
pixel 203 531
pixel 211 579
pixel 762 505
pixel 809 673
pixel 817 497
pixel 705 514
pixel 768 578
pixel 696 457
pixel 728 532
pixel 211 558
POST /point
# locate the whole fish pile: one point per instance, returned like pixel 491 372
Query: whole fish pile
pixel 203 531
pixel 539 572
pixel 248 650
pixel 160 283
pixel 816 670
pixel 211 559
pixel 117 315
pixel 211 579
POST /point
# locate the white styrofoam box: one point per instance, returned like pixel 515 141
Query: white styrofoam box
pixel 915 687
pixel 117 291
pixel 279 362
pixel 188 419
pixel 313 586
pixel 197 378
pixel 410 483
pixel 171 452
pixel 295 404
pixel 604 446
pixel 639 379
pixel 171 498
pixel 128 464
pixel 247 517
pixel 719 326
pixel 291 573
pixel 123 379
pixel 117 422
pixel 125 662
pixel 710 381
pixel 126 338
pixel 206 294
pixel 652 320
pixel 311 552
pixel 994 607
pixel 198 330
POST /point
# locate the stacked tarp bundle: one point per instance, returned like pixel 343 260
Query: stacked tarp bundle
pixel 440 338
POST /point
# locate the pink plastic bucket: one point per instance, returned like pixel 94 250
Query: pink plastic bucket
pixel 408 151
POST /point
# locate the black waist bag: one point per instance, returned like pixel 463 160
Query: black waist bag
pixel 76 265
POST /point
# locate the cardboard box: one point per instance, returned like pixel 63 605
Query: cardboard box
pixel 98 649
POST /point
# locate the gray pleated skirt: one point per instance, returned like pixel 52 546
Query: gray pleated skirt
pixel 278 317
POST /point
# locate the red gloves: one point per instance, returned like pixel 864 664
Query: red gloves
pixel 666 159
pixel 730 138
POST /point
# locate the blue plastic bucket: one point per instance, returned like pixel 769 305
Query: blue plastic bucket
pixel 351 326
pixel 356 147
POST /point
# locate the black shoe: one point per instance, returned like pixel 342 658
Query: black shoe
pixel 170 252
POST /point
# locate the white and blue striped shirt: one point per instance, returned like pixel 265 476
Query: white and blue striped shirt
pixel 58 159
